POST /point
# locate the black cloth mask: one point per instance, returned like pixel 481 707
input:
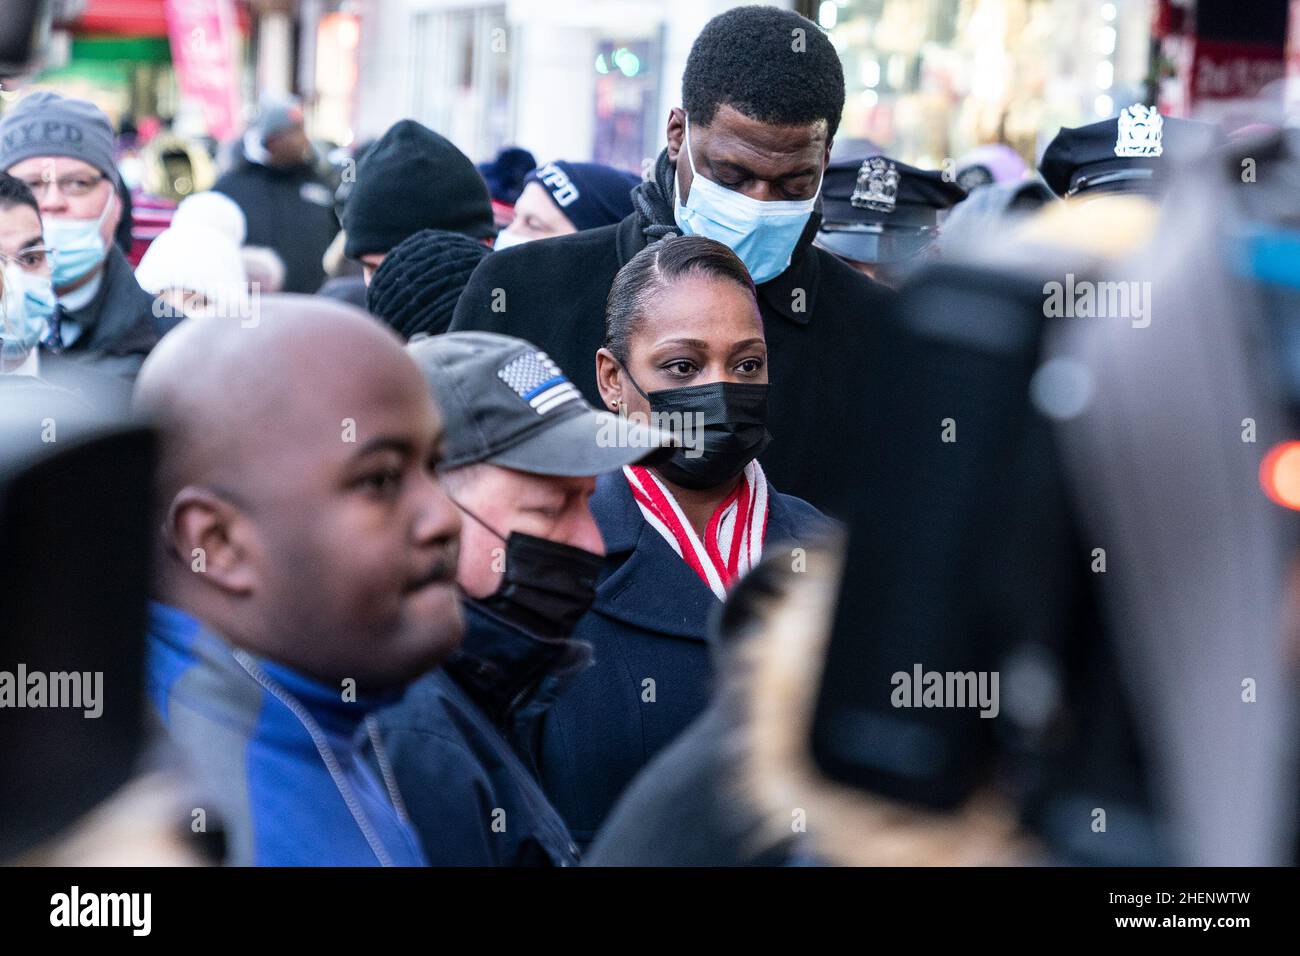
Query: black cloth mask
pixel 547 586
pixel 734 416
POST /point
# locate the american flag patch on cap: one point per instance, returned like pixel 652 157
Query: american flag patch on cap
pixel 539 382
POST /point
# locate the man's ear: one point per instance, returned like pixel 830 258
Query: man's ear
pixel 607 379
pixel 213 537
pixel 676 132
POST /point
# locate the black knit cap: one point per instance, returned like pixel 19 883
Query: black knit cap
pixel 416 288
pixel 414 179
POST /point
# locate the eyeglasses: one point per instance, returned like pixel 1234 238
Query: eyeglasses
pixel 30 259
pixel 74 186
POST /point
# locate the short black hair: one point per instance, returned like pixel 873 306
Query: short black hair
pixel 751 59
pixel 653 268
pixel 15 192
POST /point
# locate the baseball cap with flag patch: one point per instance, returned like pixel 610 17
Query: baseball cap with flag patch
pixel 505 402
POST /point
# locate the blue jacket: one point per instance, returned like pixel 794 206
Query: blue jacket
pixel 270 786
pixel 461 745
pixel 652 673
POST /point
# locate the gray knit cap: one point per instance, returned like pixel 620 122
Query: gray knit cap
pixel 47 124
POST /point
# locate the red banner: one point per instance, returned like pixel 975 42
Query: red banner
pixel 202 34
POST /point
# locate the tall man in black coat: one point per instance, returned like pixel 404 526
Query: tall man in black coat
pixel 288 206
pixel 762 95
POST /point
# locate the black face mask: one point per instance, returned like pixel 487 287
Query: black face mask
pixel 734 415
pixel 546 587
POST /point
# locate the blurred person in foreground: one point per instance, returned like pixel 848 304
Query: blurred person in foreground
pixel 63 150
pixel 417 287
pixel 881 217
pixel 410 180
pixel 743 166
pixel 685 352
pixel 562 198
pixel 289 207
pixel 521 457
pixel 304 574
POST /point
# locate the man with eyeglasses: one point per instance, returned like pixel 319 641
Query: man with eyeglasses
pixel 62 149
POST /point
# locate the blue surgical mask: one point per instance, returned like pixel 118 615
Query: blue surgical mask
pixel 762 234
pixel 25 311
pixel 78 246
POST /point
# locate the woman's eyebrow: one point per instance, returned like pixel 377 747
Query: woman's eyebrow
pixel 689 343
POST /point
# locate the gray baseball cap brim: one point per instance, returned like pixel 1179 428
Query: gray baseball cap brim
pixel 590 443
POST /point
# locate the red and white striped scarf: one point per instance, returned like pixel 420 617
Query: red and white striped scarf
pixel 733 538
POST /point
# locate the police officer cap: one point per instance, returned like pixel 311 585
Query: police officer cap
pixel 881 210
pixel 1134 151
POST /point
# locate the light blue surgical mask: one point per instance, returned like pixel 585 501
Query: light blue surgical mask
pixel 25 312
pixel 78 246
pixel 762 234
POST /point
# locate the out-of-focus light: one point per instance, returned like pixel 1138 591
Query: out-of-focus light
pixel 601 65
pixel 869 73
pixel 896 71
pixel 1279 474
pixel 1105 75
pixel 627 61
pixel 1106 37
pixel 1108 12
pixel 869 98
pixel 828 14
pixel 1103 105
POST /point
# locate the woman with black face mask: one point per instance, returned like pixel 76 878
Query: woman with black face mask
pixel 685 351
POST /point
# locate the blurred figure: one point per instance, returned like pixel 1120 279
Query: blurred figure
pixel 989 164
pixel 287 205
pixel 215 211
pixel 174 167
pixel 264 269
pixel 295 605
pixel 685 352
pixel 417 287
pixel 881 216
pixel 744 163
pixel 522 452
pixel 63 150
pixel 412 179
pixel 194 270
pixel 505 181
pixel 561 198
pixel 991 211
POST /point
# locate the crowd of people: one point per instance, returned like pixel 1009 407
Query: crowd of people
pixel 498 514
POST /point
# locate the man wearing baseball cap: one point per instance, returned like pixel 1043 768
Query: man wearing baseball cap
pixel 63 150
pixel 521 453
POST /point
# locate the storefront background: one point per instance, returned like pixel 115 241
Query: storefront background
pixel 930 79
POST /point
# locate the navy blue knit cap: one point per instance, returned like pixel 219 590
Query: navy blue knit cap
pixel 590 195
